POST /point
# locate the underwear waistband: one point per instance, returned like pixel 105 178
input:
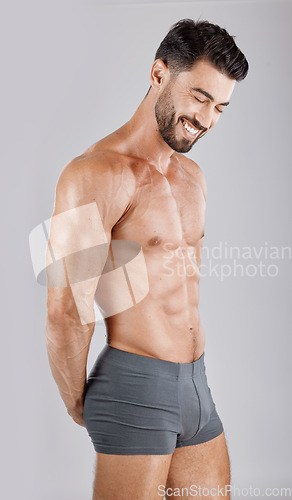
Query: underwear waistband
pixel 147 364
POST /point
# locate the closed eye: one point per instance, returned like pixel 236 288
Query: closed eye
pixel 202 102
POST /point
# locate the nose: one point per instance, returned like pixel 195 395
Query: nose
pixel 206 118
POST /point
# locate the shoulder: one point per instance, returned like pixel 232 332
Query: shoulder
pixel 194 170
pixel 103 165
pixel 102 174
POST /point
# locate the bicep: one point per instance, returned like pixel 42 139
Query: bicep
pixel 77 248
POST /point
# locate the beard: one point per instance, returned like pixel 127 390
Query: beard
pixel 165 117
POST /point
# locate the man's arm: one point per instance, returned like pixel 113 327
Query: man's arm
pixel 90 199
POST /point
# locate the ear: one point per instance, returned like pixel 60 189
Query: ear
pixel 159 73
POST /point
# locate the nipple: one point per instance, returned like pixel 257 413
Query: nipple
pixel 154 241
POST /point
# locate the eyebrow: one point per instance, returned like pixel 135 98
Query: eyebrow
pixel 206 94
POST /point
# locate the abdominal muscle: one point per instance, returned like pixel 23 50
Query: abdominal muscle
pixel 166 323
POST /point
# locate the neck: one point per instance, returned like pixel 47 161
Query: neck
pixel 143 138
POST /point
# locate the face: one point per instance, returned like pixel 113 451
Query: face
pixel 191 104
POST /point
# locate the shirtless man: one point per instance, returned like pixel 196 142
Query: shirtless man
pixel 146 403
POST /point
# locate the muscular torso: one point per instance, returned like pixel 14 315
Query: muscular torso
pixel 166 217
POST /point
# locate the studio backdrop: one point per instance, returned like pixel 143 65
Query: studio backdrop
pixel 73 72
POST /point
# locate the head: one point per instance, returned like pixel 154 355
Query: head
pixel 194 73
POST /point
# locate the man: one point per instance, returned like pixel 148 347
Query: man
pixel 146 403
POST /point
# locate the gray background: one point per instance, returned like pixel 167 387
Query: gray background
pixel 73 72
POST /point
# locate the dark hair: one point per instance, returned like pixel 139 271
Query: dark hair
pixel 188 41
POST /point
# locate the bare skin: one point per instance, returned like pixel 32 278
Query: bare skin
pixel 146 477
pixel 149 193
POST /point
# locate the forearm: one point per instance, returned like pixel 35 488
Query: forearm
pixel 67 348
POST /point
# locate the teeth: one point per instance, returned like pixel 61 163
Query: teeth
pixel 190 129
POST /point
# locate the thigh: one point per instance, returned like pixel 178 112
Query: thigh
pixel 135 477
pixel 204 465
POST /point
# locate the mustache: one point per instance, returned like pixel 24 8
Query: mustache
pixel 195 123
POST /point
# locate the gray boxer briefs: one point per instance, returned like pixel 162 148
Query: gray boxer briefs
pixel 138 405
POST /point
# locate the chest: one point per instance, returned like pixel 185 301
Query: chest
pixel 166 208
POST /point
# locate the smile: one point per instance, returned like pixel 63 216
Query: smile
pixel 193 132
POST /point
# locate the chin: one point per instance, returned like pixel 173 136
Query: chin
pixel 184 147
